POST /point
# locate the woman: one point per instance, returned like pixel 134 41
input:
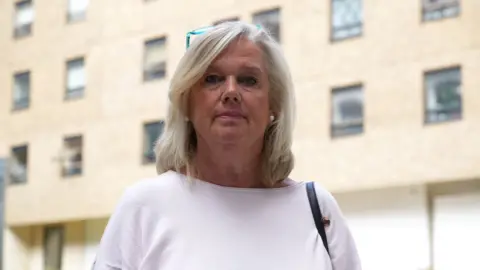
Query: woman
pixel 223 199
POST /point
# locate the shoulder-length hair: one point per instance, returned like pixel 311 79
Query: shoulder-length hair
pixel 175 148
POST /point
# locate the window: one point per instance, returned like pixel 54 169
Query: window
pixel 76 78
pixel 53 238
pixel 443 95
pixel 270 20
pixel 234 19
pixel 77 10
pixel 21 90
pixel 18 165
pixel 3 173
pixel 347 111
pixel 24 15
pixel 346 19
pixel 438 9
pixel 151 132
pixel 155 59
pixel 72 157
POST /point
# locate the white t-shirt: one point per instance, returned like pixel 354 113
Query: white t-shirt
pixel 171 223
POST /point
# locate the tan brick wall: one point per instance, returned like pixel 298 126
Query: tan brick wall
pixel 389 59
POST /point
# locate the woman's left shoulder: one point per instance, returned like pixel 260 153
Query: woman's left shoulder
pixel 343 250
pixel 327 202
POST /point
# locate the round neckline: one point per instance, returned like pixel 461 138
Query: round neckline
pixel 184 178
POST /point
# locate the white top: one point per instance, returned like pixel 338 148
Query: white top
pixel 170 223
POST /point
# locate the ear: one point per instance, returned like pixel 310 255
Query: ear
pixel 272 116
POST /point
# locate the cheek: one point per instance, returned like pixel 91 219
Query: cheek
pixel 262 111
pixel 196 103
pixel 201 108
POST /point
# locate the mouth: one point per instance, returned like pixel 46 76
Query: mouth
pixel 230 115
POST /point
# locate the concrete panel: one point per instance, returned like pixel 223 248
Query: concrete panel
pixel 456 231
pixel 390 227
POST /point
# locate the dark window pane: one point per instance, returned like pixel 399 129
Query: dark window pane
pixel 151 133
pixel 440 9
pixel 270 20
pixel 347 111
pixel 155 59
pixel 72 161
pixel 18 165
pixel 24 15
pixel 21 91
pixel 443 95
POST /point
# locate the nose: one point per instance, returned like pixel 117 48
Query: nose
pixel 231 92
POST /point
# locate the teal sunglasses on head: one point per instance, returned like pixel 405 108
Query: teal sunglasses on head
pixel 200 31
pixel 195 32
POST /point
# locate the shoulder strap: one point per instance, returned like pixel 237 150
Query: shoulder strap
pixel 317 213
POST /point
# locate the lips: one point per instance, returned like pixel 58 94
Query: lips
pixel 230 114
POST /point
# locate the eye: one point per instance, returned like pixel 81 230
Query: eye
pixel 212 79
pixel 247 80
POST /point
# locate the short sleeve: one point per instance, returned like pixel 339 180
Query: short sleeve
pixel 120 246
pixel 343 250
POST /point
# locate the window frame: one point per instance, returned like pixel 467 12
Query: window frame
pixel 342 131
pixel 9 167
pixel 266 12
pixel 150 77
pixel 332 29
pixel 24 102
pixel 424 12
pixel 80 171
pixel 29 26
pixel 426 111
pixel 145 159
pixel 79 92
pixel 72 18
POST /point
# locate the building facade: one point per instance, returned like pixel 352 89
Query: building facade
pixel 388 117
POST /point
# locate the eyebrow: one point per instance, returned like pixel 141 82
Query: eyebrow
pixel 246 67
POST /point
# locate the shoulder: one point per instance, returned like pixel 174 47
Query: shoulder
pixel 327 202
pixel 149 190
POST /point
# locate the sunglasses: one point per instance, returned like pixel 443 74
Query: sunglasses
pixel 200 31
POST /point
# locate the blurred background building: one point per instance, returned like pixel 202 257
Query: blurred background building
pixel 388 96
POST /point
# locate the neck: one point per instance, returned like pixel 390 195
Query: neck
pixel 229 165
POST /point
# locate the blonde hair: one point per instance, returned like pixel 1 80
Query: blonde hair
pixel 176 147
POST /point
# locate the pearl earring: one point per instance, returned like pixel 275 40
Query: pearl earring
pixel 272 118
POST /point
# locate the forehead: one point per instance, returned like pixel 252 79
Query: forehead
pixel 240 53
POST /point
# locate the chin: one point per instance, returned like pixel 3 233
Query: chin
pixel 230 137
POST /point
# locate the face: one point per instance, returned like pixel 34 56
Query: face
pixel 230 103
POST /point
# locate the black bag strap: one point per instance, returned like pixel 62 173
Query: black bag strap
pixel 317 214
